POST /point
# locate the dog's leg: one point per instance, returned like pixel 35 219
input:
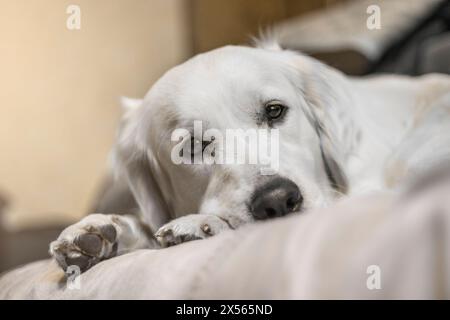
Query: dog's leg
pixel 98 237
pixel 190 227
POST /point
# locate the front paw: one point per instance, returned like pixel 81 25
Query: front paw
pixel 86 243
pixel 190 227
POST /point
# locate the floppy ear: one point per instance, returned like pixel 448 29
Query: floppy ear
pixel 323 110
pixel 134 163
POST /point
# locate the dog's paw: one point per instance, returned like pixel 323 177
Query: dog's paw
pixel 190 227
pixel 86 243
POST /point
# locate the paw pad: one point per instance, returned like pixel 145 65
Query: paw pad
pixel 89 243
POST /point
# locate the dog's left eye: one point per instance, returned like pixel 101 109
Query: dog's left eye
pixel 274 110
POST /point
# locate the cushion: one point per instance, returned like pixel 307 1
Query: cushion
pixel 379 246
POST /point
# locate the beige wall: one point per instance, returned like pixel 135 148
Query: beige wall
pixel 219 22
pixel 59 93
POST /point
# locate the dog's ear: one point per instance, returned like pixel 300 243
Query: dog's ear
pixel 323 112
pixel 133 162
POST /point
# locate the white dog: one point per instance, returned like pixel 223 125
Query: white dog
pixel 337 135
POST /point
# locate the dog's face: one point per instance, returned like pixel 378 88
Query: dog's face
pixel 231 88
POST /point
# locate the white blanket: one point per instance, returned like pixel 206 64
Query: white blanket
pixel 379 246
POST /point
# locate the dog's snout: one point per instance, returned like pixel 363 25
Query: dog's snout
pixel 275 199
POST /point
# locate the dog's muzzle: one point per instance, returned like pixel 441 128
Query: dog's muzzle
pixel 276 198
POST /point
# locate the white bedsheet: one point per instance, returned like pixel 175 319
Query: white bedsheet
pixel 403 241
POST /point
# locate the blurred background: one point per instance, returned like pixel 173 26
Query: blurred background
pixel 65 64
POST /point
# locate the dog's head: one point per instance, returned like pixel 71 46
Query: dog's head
pixel 233 88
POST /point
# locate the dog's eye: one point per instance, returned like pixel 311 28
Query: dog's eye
pixel 198 145
pixel 195 146
pixel 274 110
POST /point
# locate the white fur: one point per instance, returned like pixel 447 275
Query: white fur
pixel 376 133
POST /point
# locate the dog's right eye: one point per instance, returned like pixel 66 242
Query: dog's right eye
pixel 197 146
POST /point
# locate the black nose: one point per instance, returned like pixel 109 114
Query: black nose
pixel 275 199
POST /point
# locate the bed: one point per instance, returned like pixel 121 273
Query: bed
pixel 382 246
